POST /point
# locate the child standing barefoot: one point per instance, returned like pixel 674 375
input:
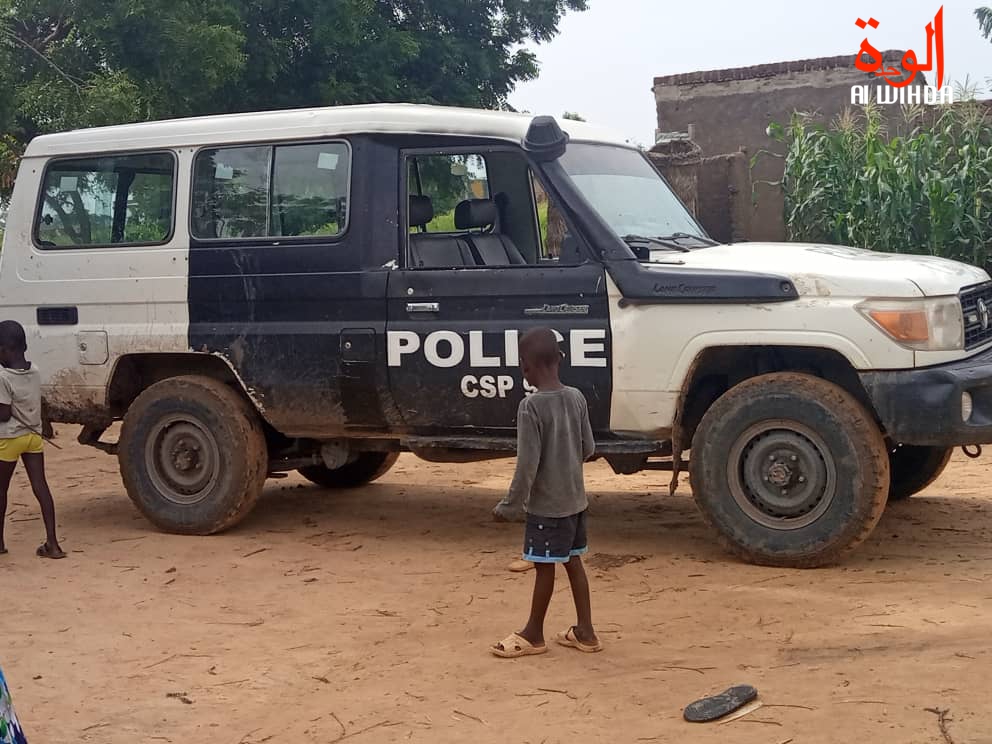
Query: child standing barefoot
pixel 20 431
pixel 554 438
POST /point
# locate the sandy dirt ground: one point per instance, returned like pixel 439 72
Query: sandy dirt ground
pixel 364 616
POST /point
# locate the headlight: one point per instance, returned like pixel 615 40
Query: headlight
pixel 932 324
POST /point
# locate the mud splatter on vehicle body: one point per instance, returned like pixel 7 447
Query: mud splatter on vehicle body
pixel 320 290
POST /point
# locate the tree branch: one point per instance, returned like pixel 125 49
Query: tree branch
pixel 73 81
pixel 59 32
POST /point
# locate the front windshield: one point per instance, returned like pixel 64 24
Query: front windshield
pixel 626 191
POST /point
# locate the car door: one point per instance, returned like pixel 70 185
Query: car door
pixel 452 331
pixel 285 282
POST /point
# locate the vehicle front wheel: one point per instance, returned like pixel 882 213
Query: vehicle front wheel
pixel 790 469
pixel 915 468
pixel 365 468
pixel 192 455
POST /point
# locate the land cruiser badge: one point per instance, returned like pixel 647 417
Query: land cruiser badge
pixel 558 310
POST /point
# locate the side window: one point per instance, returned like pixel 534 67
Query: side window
pixel 551 223
pixel 271 191
pixel 447 180
pixel 110 200
pixel 310 190
pixel 472 209
pixel 231 193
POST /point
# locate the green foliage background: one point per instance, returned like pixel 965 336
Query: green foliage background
pixel 66 64
pixel 928 191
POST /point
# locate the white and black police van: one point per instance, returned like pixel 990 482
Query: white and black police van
pixel 319 290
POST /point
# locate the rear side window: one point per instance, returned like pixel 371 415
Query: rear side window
pixel 271 191
pixel 107 200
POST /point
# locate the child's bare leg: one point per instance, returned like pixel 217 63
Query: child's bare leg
pixel 6 473
pixel 34 464
pixel 583 604
pixel 544 587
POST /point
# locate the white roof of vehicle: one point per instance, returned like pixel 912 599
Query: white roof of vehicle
pixel 297 124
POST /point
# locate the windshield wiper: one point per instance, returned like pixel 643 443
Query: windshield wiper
pixel 668 243
pixel 675 237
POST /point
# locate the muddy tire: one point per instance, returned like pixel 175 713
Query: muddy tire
pixel 790 470
pixel 915 468
pixel 192 455
pixel 366 468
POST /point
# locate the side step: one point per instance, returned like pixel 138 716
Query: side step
pixel 604 447
pixel 625 456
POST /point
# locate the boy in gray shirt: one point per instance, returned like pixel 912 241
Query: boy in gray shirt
pixel 554 438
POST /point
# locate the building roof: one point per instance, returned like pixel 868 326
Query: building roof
pixel 770 70
pixel 305 124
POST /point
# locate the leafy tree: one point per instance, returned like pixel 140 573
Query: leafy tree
pixel 78 63
pixel 984 16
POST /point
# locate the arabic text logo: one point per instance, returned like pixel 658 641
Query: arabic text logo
pixel 872 61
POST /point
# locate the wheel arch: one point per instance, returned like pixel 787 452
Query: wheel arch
pixel 716 369
pixel 135 373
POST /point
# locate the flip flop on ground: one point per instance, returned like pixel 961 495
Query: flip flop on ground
pixel 515 646
pixel 717 706
pixel 46 551
pixel 569 639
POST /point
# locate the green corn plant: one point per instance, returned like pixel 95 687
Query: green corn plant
pixel 926 189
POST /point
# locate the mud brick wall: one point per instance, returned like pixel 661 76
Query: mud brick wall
pixel 679 162
pixel 729 112
pixel 724 201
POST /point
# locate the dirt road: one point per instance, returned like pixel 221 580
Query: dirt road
pixel 365 616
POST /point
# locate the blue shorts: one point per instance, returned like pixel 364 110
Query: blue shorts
pixel 554 539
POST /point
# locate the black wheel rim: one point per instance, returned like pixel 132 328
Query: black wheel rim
pixel 182 459
pixel 781 474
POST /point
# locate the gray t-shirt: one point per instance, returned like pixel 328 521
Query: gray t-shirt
pixel 21 390
pixel 554 438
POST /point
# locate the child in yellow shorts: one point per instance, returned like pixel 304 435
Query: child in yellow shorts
pixel 20 431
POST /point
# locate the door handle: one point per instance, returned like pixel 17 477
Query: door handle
pixel 422 307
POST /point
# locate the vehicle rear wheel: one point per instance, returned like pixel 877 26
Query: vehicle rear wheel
pixel 790 470
pixel 365 468
pixel 192 455
pixel 915 468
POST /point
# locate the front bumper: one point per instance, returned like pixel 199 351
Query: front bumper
pixel 923 406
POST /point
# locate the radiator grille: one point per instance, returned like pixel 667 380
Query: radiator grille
pixel 976 305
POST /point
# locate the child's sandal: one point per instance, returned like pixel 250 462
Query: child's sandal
pixel 44 551
pixel 514 646
pixel 569 639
